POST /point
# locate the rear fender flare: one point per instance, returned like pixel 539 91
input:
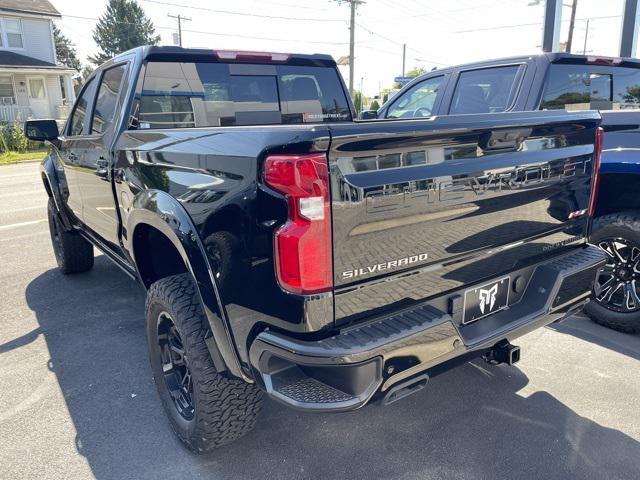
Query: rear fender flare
pixel 160 210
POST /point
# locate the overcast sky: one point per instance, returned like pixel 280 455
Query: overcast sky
pixel 437 32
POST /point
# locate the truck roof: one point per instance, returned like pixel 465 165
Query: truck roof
pixel 556 57
pixel 172 53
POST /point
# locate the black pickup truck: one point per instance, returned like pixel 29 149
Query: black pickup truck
pixel 288 249
pixel 562 81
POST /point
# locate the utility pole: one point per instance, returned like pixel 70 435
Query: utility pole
pixel 572 21
pixel 586 37
pixel 352 40
pixel 404 56
pixel 353 4
pixel 180 18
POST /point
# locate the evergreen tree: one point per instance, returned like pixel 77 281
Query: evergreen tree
pixel 65 50
pixel 123 26
pixel 86 72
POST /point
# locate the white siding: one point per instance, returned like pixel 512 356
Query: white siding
pixel 54 92
pixel 37 40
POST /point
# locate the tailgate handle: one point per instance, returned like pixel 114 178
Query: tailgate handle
pixel 503 139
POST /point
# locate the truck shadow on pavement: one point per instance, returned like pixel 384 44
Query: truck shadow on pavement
pixel 585 329
pixel 469 423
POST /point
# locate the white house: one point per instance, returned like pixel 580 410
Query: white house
pixel 32 85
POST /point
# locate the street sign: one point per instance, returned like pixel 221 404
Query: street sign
pixel 402 80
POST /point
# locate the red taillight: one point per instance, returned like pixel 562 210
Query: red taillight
pixel 595 181
pixel 241 56
pixel 303 244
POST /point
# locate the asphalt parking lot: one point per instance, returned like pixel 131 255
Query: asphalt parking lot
pixel 77 399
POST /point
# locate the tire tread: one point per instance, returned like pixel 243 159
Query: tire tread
pixel 226 408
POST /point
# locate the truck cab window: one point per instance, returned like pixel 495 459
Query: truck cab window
pixel 107 99
pixel 208 94
pixel 76 126
pixel 418 101
pixel 486 90
pixel 575 87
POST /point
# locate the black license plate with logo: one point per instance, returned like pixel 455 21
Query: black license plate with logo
pixel 486 300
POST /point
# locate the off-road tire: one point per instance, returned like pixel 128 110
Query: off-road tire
pixel 73 253
pixel 225 408
pixel 624 225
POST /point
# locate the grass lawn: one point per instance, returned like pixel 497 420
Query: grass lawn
pixel 15 157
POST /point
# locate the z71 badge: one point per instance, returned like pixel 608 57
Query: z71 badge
pixel 379 267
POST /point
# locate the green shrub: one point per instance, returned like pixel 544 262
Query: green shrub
pixel 13 139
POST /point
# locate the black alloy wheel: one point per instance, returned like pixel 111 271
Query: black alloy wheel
pixel 175 366
pixel 617 285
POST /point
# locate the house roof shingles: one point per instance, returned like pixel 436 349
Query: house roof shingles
pixel 41 7
pixel 15 60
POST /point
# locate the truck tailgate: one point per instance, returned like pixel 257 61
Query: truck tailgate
pixel 421 207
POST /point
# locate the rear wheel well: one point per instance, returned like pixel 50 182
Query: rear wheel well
pixel 231 218
pixel 156 256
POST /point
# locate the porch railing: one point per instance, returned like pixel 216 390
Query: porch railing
pixel 12 113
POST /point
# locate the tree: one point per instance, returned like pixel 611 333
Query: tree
pixel 65 50
pixel 123 26
pixel 357 101
pixel 415 72
pixel 374 105
pixel 87 70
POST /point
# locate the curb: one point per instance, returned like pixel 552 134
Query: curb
pixel 31 160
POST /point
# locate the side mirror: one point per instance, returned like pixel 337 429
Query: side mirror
pixel 41 130
pixel 368 115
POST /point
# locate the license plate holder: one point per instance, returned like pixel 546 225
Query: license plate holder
pixel 485 300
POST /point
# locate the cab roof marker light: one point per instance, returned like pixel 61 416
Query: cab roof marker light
pixel 239 55
pixel 604 60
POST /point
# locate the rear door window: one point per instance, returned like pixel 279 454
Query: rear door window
pixel 418 101
pixel 76 124
pixel 486 90
pixel 577 87
pixel 206 94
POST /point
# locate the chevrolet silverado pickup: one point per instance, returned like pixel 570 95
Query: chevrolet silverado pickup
pixel 291 251
pixel 561 81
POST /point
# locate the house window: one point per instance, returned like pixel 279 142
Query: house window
pixel 7 94
pixel 11 33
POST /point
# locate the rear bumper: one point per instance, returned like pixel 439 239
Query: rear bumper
pixel 345 371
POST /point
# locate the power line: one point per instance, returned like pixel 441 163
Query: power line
pixel 249 37
pixel 242 14
pixel 501 27
pixel 180 18
pixel 290 5
pixel 400 44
